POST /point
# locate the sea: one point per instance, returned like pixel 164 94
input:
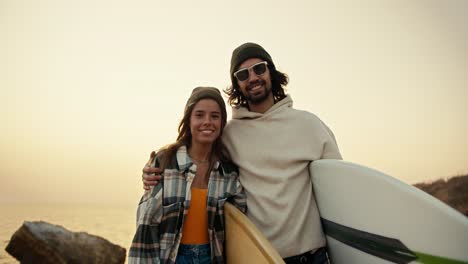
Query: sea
pixel 113 222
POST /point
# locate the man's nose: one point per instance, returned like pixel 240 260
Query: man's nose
pixel 252 75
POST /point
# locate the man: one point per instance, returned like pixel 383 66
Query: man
pixel 273 145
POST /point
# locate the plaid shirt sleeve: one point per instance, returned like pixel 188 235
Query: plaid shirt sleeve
pixel 145 246
pixel 239 197
pixel 234 188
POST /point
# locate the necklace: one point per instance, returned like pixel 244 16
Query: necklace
pixel 197 161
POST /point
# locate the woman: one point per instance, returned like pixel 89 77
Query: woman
pixel 181 220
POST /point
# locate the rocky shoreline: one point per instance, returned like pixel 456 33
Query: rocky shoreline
pixel 42 242
pixel 452 191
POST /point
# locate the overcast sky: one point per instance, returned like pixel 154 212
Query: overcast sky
pixel 89 88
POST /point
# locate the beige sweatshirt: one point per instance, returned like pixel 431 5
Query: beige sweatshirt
pixel 273 151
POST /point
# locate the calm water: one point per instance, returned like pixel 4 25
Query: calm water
pixel 114 223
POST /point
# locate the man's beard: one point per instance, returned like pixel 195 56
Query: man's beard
pixel 261 96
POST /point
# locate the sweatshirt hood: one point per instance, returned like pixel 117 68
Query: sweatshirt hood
pixel 244 113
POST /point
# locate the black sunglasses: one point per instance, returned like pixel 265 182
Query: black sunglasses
pixel 258 68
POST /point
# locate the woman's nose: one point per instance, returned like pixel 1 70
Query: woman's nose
pixel 207 120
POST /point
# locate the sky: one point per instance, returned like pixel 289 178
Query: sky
pixel 90 88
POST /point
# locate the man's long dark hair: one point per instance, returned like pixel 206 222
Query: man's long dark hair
pixel 278 82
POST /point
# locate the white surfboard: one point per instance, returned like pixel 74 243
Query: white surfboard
pixel 369 217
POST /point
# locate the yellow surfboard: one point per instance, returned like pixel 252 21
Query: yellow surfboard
pixel 244 242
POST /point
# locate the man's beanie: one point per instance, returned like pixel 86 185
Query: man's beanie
pixel 200 93
pixel 246 51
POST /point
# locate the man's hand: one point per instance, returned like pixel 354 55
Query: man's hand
pixel 151 177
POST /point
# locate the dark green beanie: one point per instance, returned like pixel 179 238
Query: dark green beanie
pixel 206 92
pixel 247 51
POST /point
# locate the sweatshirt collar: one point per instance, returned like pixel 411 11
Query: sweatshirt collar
pixel 244 113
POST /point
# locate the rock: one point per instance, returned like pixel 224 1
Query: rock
pixel 453 191
pixel 41 242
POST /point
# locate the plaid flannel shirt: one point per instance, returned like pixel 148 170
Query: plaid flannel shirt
pixel 163 209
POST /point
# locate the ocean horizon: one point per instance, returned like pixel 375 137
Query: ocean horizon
pixel 115 223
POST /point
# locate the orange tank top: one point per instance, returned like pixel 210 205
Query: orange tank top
pixel 195 229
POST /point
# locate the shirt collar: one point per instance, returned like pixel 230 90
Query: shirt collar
pixel 184 161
